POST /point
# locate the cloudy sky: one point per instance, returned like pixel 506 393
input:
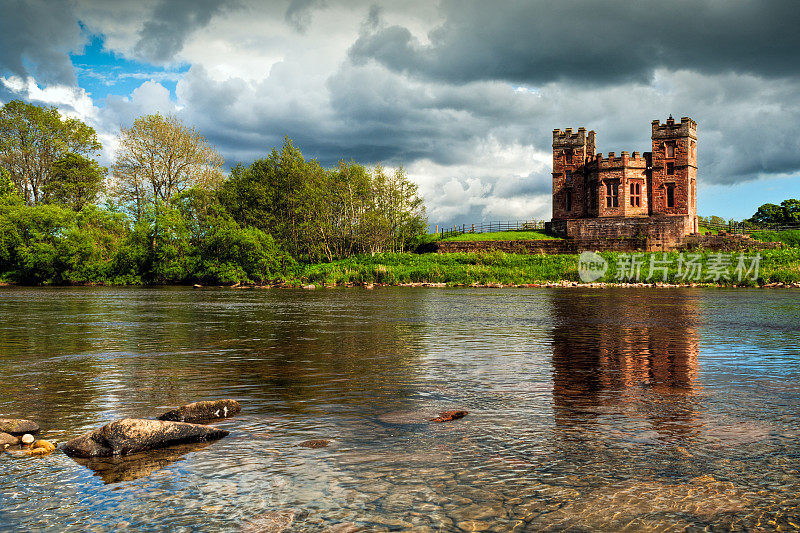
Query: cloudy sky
pixel 465 94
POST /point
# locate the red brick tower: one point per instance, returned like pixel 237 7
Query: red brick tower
pixel 571 151
pixel 673 189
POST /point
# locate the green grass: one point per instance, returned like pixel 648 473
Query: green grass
pixel 501 236
pixel 705 231
pixel 788 237
pixel 517 269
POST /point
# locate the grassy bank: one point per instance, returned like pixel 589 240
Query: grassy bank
pixel 781 266
pixel 788 237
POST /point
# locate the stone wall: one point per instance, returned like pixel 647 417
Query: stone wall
pixel 660 232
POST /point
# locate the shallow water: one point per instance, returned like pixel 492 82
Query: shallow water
pixel 590 409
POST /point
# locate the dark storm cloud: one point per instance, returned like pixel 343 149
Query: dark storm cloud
pixel 171 23
pixel 586 40
pixel 298 14
pixel 36 38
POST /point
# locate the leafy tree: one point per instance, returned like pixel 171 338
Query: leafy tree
pixel 767 214
pixel 791 211
pixel 317 213
pixel 52 244
pixel 76 182
pixel 33 138
pixel 159 157
pixel 225 251
pixel 786 213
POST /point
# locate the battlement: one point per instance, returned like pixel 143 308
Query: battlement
pixel 623 158
pixel 670 129
pixel 567 139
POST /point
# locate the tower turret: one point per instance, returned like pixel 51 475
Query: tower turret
pixel 674 169
pixel 571 151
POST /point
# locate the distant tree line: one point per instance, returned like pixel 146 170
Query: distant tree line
pixel 167 212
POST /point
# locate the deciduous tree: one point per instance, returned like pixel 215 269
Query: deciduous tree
pixel 159 157
pixel 33 138
pixel 76 182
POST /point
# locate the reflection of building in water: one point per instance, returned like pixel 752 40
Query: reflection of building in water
pixel 617 352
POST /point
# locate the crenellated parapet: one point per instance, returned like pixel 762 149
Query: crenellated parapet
pixel 624 159
pixel 568 139
pixel 671 129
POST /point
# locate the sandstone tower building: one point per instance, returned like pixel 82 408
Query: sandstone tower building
pixel 652 194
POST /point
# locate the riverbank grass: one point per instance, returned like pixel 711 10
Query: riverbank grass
pixel 774 266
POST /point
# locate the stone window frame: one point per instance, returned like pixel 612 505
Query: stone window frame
pixel 612 193
pixel 568 200
pixel 636 194
pixel 669 149
pixel 670 168
pixel 669 194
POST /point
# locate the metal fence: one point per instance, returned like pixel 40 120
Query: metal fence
pixel 747 227
pixel 490 227
pixel 534 225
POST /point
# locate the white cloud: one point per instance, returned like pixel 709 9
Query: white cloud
pixel 71 101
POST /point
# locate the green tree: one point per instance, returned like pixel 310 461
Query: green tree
pixel 791 211
pixel 318 213
pixel 159 157
pixel 76 182
pixel 767 214
pixel 52 244
pixel 786 213
pixel 33 138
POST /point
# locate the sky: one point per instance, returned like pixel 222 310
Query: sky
pixel 463 94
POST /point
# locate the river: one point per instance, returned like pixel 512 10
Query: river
pixel 589 409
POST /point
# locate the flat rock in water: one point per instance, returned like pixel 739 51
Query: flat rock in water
pixel 7 438
pixel 131 435
pixel 18 426
pixel 449 416
pixel 315 443
pixel 203 411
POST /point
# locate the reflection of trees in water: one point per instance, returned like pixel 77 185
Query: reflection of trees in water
pixel 337 346
pixel 77 353
pixel 626 351
pixel 45 369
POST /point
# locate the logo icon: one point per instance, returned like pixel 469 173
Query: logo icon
pixel 591 267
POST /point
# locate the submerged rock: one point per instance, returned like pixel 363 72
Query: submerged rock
pixel 6 439
pixel 273 521
pixel 448 416
pixel 203 411
pixel 131 435
pixel 315 443
pixel 18 426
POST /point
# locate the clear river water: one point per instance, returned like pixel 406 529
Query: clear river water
pixel 589 409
